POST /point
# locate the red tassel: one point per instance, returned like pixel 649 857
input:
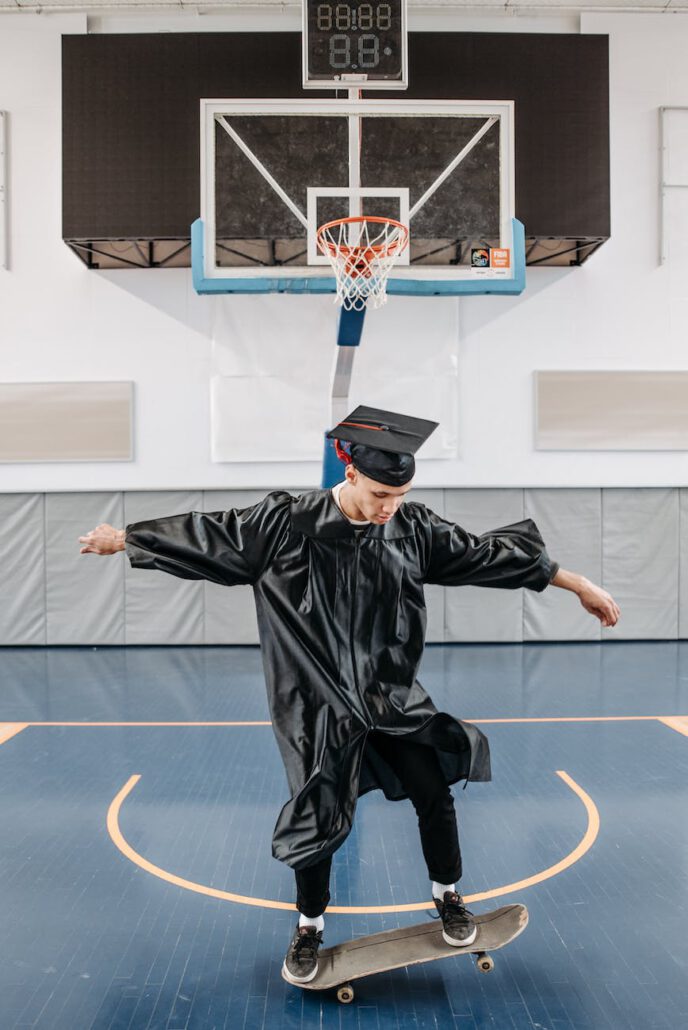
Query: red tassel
pixel 343 455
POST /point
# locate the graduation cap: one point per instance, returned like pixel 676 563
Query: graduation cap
pixel 382 443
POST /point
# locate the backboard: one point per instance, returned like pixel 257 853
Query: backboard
pixel 272 171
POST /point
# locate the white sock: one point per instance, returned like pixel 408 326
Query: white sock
pixel 438 889
pixel 317 921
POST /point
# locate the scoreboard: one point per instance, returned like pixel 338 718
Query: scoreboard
pixel 355 44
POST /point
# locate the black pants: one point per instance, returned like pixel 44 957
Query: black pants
pixel 418 768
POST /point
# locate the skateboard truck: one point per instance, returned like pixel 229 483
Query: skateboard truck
pixel 484 962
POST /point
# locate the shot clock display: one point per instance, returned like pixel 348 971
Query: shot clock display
pixel 355 42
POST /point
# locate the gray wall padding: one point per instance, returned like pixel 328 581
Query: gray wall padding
pixel 483 613
pixel 161 609
pixel 571 525
pixel 22 559
pixel 640 560
pixel 84 596
pixel 682 564
pixel 626 540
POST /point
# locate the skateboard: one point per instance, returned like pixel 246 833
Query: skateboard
pixel 340 965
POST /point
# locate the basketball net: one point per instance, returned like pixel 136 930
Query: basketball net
pixel 362 251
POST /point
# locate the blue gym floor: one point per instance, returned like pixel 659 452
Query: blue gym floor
pixel 90 938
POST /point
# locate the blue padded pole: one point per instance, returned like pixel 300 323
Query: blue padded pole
pixel 349 332
pixel 350 328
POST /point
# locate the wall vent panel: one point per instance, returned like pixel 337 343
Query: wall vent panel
pixel 611 411
pixel 66 422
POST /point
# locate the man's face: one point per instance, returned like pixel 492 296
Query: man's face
pixel 377 502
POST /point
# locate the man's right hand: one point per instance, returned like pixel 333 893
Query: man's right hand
pixel 104 539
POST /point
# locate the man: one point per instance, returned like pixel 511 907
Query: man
pixel 338 581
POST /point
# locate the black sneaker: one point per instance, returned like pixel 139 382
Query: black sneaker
pixel 458 924
pixel 301 963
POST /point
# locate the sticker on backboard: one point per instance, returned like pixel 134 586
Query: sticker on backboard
pixel 500 257
pixel 480 257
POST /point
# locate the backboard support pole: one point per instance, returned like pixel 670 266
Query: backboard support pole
pixel 354 162
pixel 349 332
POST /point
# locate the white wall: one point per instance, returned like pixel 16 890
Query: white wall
pixel 620 311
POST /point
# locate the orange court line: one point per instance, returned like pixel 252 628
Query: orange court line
pixel 579 718
pixel 263 723
pixel 11 729
pixel 584 845
pixel 676 722
pixel 544 718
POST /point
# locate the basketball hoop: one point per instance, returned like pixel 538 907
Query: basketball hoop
pixel 362 251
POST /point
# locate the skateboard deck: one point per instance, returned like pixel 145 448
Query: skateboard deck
pixel 340 965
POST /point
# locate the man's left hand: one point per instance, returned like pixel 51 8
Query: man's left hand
pixel 593 598
pixel 598 602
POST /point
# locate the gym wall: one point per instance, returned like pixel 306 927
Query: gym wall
pixel 614 515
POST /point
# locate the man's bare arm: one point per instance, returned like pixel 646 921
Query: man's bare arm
pixel 104 539
pixel 593 598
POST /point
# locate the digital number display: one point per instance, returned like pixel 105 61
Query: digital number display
pixel 354 39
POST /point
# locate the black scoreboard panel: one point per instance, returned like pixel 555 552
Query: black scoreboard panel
pixel 130 121
pixel 560 86
pixel 131 163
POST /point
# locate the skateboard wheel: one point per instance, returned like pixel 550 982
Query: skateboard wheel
pixel 345 994
pixel 484 962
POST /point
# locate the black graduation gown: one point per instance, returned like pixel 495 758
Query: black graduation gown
pixel 342 617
